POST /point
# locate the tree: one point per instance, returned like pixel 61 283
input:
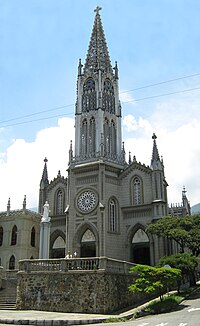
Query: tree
pixel 154 280
pixel 186 262
pixel 184 230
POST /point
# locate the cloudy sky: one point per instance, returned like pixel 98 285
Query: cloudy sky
pixel 156 44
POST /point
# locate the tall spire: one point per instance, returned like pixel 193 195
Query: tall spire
pixel 44 181
pixel 155 161
pixel 98 55
pixel 98 110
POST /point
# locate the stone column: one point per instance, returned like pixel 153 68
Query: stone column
pixel 45 233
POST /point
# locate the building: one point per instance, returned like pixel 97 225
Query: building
pixel 19 236
pixel 104 205
pixel 180 209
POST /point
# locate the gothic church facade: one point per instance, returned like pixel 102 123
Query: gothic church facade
pixel 104 205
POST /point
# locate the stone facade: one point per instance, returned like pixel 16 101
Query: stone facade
pixel 81 291
pixel 104 205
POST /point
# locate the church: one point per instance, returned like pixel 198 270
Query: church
pixel 105 204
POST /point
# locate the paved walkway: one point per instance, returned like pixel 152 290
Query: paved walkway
pixel 45 318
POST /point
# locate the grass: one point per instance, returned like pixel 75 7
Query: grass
pixel 169 303
pixel 166 305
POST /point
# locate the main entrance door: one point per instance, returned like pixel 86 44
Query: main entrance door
pixel 88 244
pixel 58 249
pixel 140 249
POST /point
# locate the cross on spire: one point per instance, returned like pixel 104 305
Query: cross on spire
pixel 97 9
pixel 154 137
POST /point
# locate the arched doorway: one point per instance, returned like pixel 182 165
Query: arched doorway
pixel 58 248
pixel 88 244
pixel 140 248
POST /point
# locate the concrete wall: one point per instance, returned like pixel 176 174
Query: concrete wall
pixel 95 291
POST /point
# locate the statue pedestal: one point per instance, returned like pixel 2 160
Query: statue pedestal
pixel 44 240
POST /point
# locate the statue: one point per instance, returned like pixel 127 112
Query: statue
pixel 45 216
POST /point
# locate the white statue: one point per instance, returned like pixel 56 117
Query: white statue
pixel 45 216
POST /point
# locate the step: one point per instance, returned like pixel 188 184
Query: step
pixel 8 298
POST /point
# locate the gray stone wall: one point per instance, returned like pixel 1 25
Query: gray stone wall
pixel 74 291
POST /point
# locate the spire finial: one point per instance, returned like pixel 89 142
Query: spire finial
pixel 129 159
pixel 97 9
pixel 8 207
pixel 24 204
pixel 154 137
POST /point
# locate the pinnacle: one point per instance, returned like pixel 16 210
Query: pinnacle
pixel 45 173
pixel 155 154
pixel 98 55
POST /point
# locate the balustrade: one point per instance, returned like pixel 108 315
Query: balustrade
pixel 73 264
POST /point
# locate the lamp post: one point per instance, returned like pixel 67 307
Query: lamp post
pixel 67 230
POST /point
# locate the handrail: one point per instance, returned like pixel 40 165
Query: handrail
pixel 72 264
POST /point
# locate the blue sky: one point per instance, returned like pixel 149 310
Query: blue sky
pixel 152 41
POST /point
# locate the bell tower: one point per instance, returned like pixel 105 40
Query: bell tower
pixel 98 109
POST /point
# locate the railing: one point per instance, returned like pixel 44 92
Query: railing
pixel 11 273
pixel 74 264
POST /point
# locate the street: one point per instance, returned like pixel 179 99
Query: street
pixel 188 314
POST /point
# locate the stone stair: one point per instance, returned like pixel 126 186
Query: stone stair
pixel 8 295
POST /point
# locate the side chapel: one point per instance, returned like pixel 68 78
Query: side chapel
pixel 104 205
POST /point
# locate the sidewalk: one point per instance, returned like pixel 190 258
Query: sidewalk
pixel 45 318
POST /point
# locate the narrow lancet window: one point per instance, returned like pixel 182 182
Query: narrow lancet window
pixel 89 96
pixel 14 236
pixel 92 136
pixel 1 236
pixel 59 202
pixel 33 237
pixel 113 222
pixel 108 97
pixel 137 191
pixel 12 262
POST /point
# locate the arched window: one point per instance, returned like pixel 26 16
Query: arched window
pixel 92 136
pixel 113 138
pixel 59 202
pixel 89 96
pixel 33 237
pixel 108 97
pixel 14 236
pixel 137 191
pixel 1 235
pixel 106 136
pixel 113 221
pixel 84 138
pixel 12 262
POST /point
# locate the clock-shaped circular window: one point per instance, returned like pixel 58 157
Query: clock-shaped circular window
pixel 87 201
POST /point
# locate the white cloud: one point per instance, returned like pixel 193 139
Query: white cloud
pixel 180 149
pixel 131 124
pixel 22 165
pixel 126 97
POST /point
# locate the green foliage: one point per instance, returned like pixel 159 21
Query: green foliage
pixel 152 280
pixel 166 305
pixel 186 262
pixel 184 230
